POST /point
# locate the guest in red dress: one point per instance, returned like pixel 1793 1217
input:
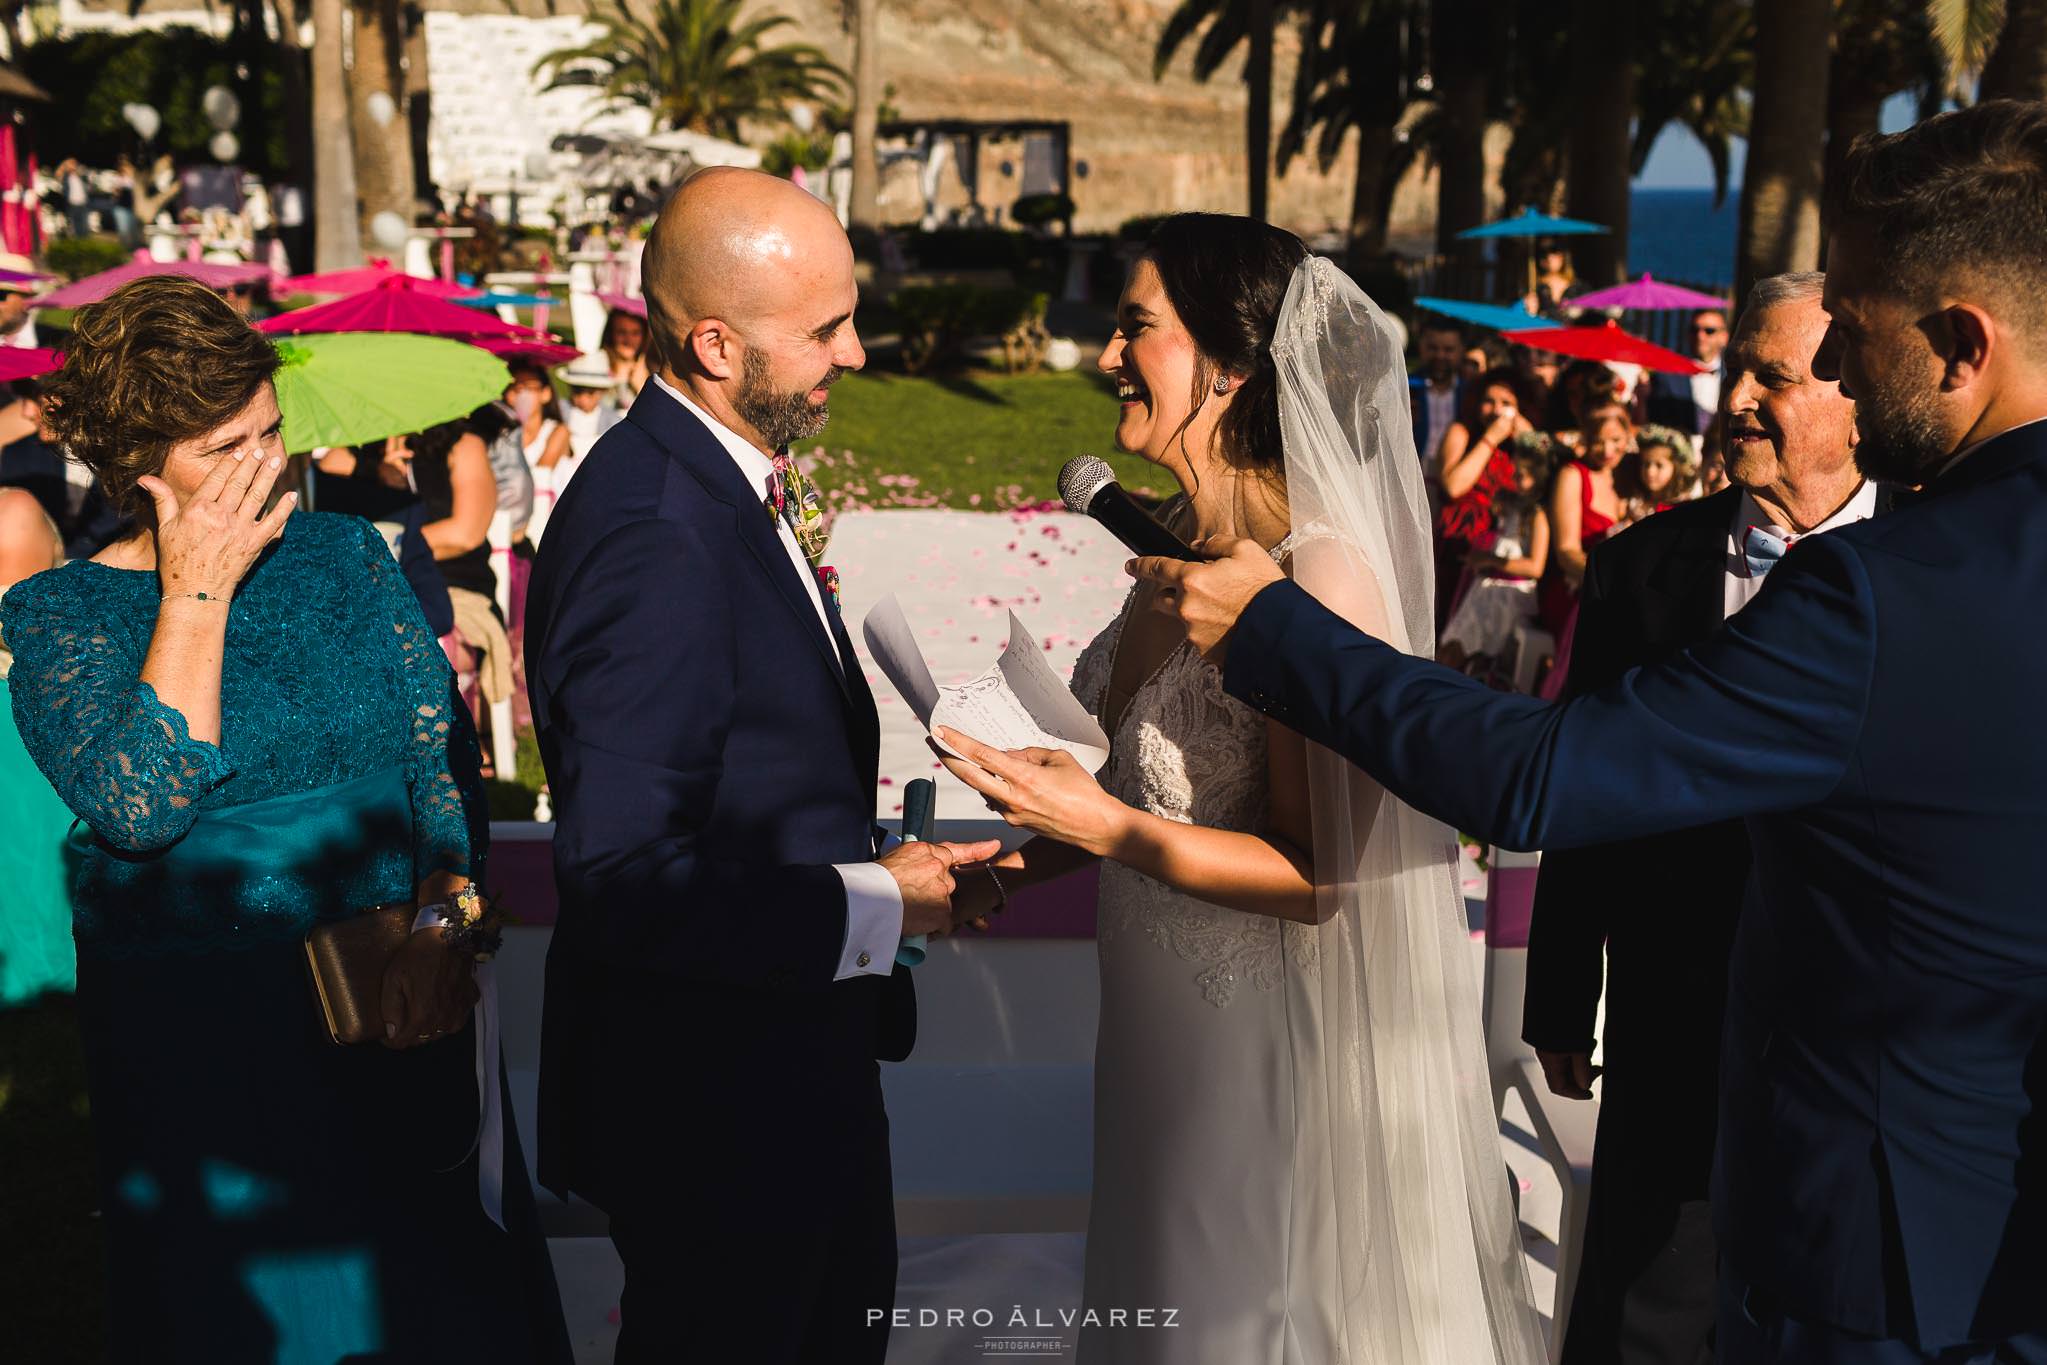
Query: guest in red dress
pixel 1474 467
pixel 1583 507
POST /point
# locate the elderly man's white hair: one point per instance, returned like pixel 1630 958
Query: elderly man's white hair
pixel 1792 287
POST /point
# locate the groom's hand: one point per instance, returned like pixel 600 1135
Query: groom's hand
pixel 1208 598
pixel 923 872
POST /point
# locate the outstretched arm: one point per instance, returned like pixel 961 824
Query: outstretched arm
pixel 1761 717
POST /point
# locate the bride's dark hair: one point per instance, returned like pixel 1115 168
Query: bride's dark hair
pixel 1227 277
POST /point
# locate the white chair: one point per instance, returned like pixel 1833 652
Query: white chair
pixel 1564 1128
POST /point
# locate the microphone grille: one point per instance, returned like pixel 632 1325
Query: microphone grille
pixel 1081 478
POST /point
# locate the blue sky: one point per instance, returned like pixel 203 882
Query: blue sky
pixel 1677 161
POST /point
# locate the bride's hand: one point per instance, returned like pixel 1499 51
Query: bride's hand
pixel 1042 790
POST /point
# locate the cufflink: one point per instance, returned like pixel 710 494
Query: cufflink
pixel 864 959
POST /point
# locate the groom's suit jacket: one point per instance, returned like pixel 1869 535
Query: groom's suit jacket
pixel 1873 714
pixel 710 760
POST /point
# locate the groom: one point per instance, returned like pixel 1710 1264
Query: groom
pixel 1880 1189
pixel 722 975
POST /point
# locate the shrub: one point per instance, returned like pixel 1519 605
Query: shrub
pixel 811 151
pixel 939 320
pixel 1041 210
pixel 76 257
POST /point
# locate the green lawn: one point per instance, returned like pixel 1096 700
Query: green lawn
pixel 981 440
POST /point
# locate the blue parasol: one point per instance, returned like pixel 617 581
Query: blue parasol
pixel 1498 316
pixel 496 300
pixel 1529 223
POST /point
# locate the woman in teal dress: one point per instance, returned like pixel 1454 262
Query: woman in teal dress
pixel 35 912
pixel 244 708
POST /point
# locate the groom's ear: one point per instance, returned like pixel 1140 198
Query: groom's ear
pixel 713 348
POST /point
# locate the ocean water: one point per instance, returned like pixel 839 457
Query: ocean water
pixel 1679 235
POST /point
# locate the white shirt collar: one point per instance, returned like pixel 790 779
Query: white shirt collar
pixel 753 462
pixel 1749 513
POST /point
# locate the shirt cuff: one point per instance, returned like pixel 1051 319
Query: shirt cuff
pixel 874 920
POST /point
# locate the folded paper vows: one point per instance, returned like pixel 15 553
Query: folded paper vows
pixel 1019 703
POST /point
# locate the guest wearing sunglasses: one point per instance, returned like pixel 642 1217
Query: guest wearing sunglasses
pixel 1688 401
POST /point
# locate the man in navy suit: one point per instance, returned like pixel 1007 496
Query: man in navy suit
pixel 1880 1189
pixel 1688 401
pixel 722 977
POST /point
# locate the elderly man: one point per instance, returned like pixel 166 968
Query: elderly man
pixel 1880 1182
pixel 1646 1291
pixel 722 976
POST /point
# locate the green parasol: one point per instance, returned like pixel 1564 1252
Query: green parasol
pixel 346 388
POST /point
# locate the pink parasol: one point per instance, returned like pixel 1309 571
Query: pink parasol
pixel 13 230
pixel 369 277
pixel 624 304
pixel 1606 342
pixel 26 362
pixel 93 288
pixel 1647 294
pixel 398 305
pixel 538 352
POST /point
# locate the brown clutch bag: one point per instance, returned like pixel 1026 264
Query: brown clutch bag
pixel 348 958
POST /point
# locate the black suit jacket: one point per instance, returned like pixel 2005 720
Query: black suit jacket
pixel 1659 912
pixel 710 762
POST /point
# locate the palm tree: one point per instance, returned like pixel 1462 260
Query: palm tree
pixel 383 150
pixel 337 239
pixel 1780 192
pixel 2017 68
pixel 1697 69
pixel 1463 37
pixel 1604 68
pixel 865 209
pixel 1354 75
pixel 1229 23
pixel 696 65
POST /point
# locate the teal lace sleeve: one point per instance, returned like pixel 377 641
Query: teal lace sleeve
pixel 120 759
pixel 450 822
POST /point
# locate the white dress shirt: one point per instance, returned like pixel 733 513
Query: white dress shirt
pixel 874 903
pixel 1740 587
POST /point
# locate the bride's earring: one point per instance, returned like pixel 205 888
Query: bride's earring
pixel 1222 384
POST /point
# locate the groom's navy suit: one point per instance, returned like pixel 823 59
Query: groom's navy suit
pixel 704 1079
pixel 1875 715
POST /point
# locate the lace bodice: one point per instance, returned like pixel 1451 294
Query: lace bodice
pixel 1185 750
pixel 329 674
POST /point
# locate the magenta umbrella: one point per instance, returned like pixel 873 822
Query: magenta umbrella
pixel 547 353
pixel 1647 294
pixel 624 304
pixel 396 305
pixel 369 277
pixel 26 362
pixel 93 288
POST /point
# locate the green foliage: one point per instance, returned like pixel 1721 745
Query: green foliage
pixel 91 75
pixel 1139 230
pixel 1042 210
pixel 76 257
pixel 811 151
pixel 973 248
pixel 939 320
pixel 696 64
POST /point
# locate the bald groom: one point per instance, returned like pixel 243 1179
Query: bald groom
pixel 722 980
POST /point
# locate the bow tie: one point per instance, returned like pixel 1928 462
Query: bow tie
pixel 1762 548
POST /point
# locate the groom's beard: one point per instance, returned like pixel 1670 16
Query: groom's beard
pixel 781 418
pixel 1902 440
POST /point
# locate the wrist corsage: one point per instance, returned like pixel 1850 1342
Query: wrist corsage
pixel 469 924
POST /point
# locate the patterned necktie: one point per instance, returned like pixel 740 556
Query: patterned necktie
pixel 1762 548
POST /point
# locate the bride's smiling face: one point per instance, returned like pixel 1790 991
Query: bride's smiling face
pixel 1154 361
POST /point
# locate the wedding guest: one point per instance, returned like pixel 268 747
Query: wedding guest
pixel 374 482
pixel 35 921
pixel 1539 371
pixel 242 706
pixel 1503 576
pixel 1583 507
pixel 1472 468
pixel 17 310
pixel 1646 1287
pixel 1555 281
pixel 543 440
pixel 1478 358
pixel 1583 385
pixel 1654 475
pixel 1436 392
pixel 1712 475
pixel 1688 401
pixel 592 409
pixel 624 344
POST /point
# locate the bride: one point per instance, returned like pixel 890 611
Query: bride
pixel 1294 1140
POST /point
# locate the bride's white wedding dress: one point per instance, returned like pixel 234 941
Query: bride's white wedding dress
pixel 1296 1158
pixel 1210 1188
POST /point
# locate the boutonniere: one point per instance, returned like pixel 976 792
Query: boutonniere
pixel 800 505
pixel 828 580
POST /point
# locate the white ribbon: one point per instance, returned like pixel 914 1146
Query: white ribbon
pixel 489 1144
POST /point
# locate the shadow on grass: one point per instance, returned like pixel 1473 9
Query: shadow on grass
pixel 51 1260
pixel 966 387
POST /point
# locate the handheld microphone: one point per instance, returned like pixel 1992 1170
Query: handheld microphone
pixel 1088 486
pixel 920 800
